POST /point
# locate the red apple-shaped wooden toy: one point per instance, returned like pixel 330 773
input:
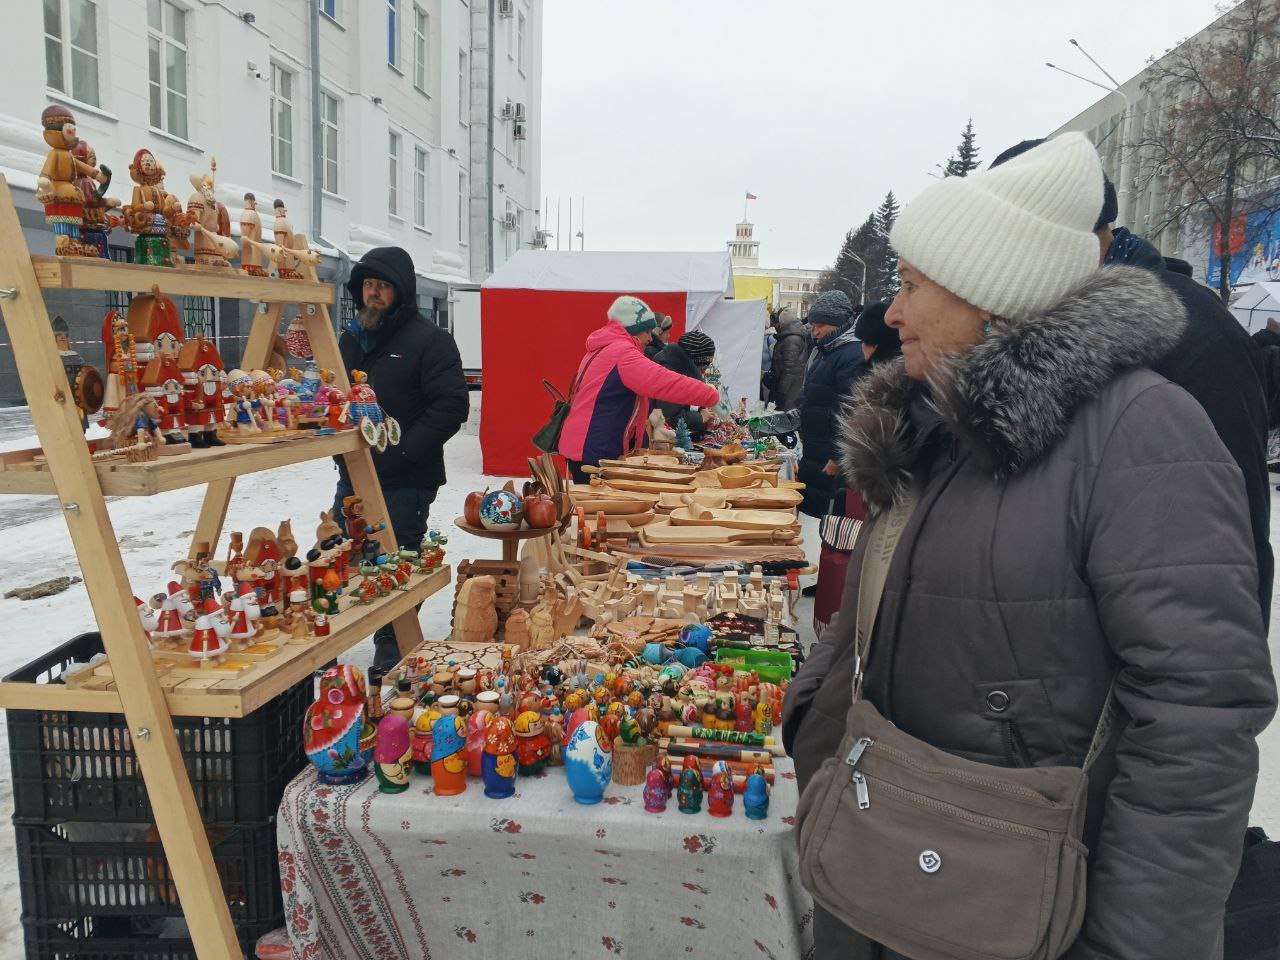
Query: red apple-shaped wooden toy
pixel 471 506
pixel 540 511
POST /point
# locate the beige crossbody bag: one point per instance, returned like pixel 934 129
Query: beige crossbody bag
pixel 931 855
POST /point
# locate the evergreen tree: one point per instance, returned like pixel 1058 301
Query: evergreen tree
pixel 885 265
pixel 966 156
pixel 847 274
pixel 683 440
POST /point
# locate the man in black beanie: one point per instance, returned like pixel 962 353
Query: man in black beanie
pixel 690 355
pixel 1215 362
pixel 880 342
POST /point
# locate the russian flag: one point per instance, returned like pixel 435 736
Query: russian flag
pixel 752 196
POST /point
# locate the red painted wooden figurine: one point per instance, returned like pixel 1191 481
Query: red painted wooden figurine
pixel 720 791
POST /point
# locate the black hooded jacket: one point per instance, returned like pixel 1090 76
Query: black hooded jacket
pixel 673 357
pixel 1218 364
pixel 413 367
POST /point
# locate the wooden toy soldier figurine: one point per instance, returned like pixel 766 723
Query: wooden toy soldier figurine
pixel 56 186
pixel 152 212
pixel 93 234
pixel 173 411
pixel 251 258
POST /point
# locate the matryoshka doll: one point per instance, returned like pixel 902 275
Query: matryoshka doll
pixel 333 724
pixel 720 791
pixel 448 756
pixel 689 794
pixel 755 799
pixel 393 754
pixel 763 719
pixel 498 764
pixel 477 729
pixel 422 738
pixel 744 719
pixel 533 749
pixel 657 791
pixel 588 762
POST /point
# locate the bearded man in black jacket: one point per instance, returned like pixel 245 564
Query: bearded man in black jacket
pixel 414 368
pixel 1215 362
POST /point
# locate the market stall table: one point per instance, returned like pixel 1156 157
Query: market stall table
pixel 372 876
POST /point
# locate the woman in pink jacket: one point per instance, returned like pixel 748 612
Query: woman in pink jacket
pixel 615 382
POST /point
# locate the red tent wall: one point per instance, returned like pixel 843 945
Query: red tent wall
pixel 527 336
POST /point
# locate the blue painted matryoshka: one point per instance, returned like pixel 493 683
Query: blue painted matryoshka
pixel 588 762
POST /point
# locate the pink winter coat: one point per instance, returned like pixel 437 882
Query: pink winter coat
pixel 607 416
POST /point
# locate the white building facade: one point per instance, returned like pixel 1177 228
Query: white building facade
pixel 412 123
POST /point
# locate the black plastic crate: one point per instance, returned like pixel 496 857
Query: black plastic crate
pixel 81 766
pixel 72 871
pixel 121 939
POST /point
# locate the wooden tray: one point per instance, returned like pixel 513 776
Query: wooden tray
pixel 646 486
pixel 766 499
pixel 604 491
pixel 734 519
pixel 671 464
pixel 614 507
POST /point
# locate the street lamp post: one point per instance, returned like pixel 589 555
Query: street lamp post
pixel 862 290
pixel 1126 147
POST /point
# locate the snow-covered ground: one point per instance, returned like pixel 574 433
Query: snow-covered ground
pixel 155 532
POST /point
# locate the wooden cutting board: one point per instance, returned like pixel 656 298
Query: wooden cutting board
pixel 661 531
pixel 766 499
pixel 613 506
pixel 603 491
pixel 648 486
pixel 672 464
pixel 735 519
pixel 653 475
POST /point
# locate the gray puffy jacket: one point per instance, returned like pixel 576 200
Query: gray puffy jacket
pixel 1079 518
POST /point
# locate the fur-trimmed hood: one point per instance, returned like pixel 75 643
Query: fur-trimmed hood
pixel 1010 399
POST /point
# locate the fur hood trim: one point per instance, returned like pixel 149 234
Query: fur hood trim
pixel 1010 399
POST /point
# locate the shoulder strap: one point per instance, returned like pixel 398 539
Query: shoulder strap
pixel 875 572
pixel 881 546
pixel 583 372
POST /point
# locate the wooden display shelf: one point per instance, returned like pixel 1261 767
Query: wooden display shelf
pixel 92 273
pixel 119 478
pixel 238 696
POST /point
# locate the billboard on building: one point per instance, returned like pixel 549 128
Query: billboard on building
pixel 1254 242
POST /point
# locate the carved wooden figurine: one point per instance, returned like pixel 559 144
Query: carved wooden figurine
pixel 153 215
pixel 56 186
pixel 212 223
pixel 93 192
pixel 475 618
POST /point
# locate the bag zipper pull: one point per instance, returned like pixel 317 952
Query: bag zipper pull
pixel 860 784
pixel 855 754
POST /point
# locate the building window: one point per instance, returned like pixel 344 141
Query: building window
pixel 167 66
pixel 346 311
pixel 463 86
pixel 329 141
pixel 462 208
pixel 520 29
pixel 520 154
pixel 71 48
pixel 393 33
pixel 421 35
pixel 281 120
pixel 199 317
pixel 329 8
pixel 419 187
pixel 393 173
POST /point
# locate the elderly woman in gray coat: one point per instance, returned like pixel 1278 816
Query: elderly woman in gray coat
pixel 1078 521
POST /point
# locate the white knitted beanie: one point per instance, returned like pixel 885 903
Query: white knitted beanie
pixel 633 313
pixel 1011 240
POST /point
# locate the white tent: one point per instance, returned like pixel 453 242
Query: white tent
pixel 537 309
pixel 1259 303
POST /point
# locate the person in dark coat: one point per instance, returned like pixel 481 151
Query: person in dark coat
pixel 690 355
pixel 1079 525
pixel 791 349
pixel 414 368
pixel 880 342
pixel 834 367
pixel 1214 361
pixel 660 335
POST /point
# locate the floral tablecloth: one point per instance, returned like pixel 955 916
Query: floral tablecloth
pixel 371 876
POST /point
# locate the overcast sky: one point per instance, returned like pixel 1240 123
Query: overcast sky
pixel 664 113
